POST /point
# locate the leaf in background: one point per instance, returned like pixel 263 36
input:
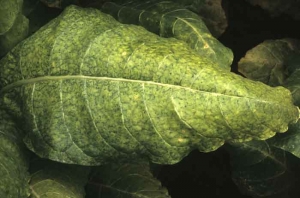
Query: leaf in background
pixel 211 12
pixel 52 179
pixel 288 141
pixel 9 11
pixel 291 141
pixel 289 74
pixel 260 170
pixel 284 53
pixel 169 19
pixel 267 61
pixel 93 91
pixel 279 7
pixel 13 159
pixel 29 6
pixel 59 3
pixel 293 81
pixel 13 25
pixel 17 33
pixel 130 180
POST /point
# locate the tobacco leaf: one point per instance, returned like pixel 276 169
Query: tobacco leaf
pixel 14 160
pixel 53 179
pixel 211 12
pixel 59 3
pixel 260 170
pixel 13 25
pixel 267 61
pixel 293 81
pixel 16 34
pixel 277 62
pixel 267 174
pixel 92 91
pixel 169 19
pixel 132 179
pixel 9 11
pixel 290 140
pixel 279 7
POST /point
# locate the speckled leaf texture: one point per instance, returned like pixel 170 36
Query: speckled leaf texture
pixel 93 91
pixel 14 175
pixel 52 179
pixel 126 180
pixel 169 19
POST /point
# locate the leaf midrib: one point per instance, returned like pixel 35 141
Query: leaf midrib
pixel 49 78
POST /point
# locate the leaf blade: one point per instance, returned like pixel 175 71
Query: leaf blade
pixel 72 100
pixel 169 19
pixel 132 179
pixel 14 159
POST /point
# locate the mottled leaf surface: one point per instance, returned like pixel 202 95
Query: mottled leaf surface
pixel 93 91
pixel 267 61
pixel 52 179
pixel 260 170
pixel 169 19
pixel 126 180
pixel 13 159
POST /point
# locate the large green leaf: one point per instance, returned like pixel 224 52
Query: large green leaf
pixel 126 180
pixel 52 179
pixel 93 90
pixel 169 19
pixel 13 159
